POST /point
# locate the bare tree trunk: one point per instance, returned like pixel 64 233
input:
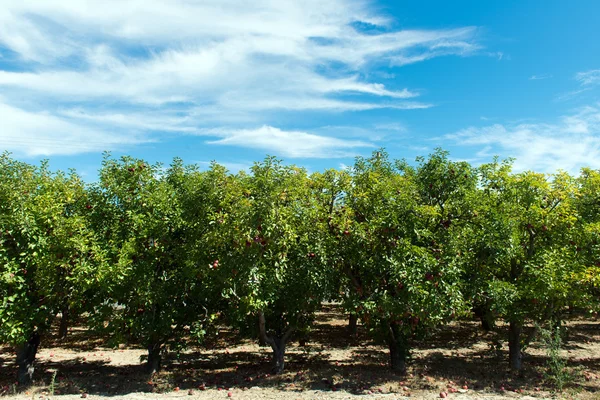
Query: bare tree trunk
pixel 278 347
pixel 261 338
pixel 64 322
pixel 154 358
pixel 276 343
pixel 302 338
pixel 485 316
pixel 398 348
pixel 353 324
pixel 515 354
pixel 25 358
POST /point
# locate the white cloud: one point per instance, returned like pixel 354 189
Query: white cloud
pixel 393 127
pixel 141 122
pixel 294 144
pixel 570 144
pixel 540 77
pixel 212 63
pixel 588 78
pixel 454 42
pixel 587 81
pixel 42 134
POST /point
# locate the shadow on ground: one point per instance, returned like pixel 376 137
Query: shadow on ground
pixel 456 354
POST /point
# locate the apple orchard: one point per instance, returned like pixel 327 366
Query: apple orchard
pixel 157 257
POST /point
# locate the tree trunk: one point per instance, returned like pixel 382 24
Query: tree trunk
pixel 25 359
pixel 485 316
pixel 514 346
pixel 278 347
pixel 154 358
pixel 353 324
pixel 64 323
pixel 303 339
pixel 398 348
pixel 261 338
pixel 277 344
pixel 487 320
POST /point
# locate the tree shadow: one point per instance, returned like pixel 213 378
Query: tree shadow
pixel 229 361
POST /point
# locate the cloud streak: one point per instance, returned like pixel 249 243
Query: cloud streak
pixel 570 144
pixel 588 78
pixel 42 134
pixel 186 65
pixel 587 81
pixel 294 144
pixel 540 77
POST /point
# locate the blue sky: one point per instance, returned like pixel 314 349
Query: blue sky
pixel 313 82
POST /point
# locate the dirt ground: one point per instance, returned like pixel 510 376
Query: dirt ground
pixel 460 359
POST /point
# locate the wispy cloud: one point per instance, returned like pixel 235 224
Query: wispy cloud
pixel 588 78
pixel 569 144
pixel 294 144
pixel 392 127
pixel 181 66
pixel 587 81
pixel 43 134
pixel 540 77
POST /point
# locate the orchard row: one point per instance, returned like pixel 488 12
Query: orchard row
pixel 159 256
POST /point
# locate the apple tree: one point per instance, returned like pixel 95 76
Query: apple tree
pixel 399 287
pixel 520 247
pixel 448 190
pixel 156 283
pixel 272 259
pixel 48 254
pixel 588 233
pixel 329 190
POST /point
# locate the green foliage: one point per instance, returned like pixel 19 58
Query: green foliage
pixel 557 372
pixel 156 255
pixel 52 385
pixel 519 253
pixel 271 259
pixel 48 253
pixel 156 286
pixel 388 225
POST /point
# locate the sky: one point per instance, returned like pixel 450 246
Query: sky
pixel 313 82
